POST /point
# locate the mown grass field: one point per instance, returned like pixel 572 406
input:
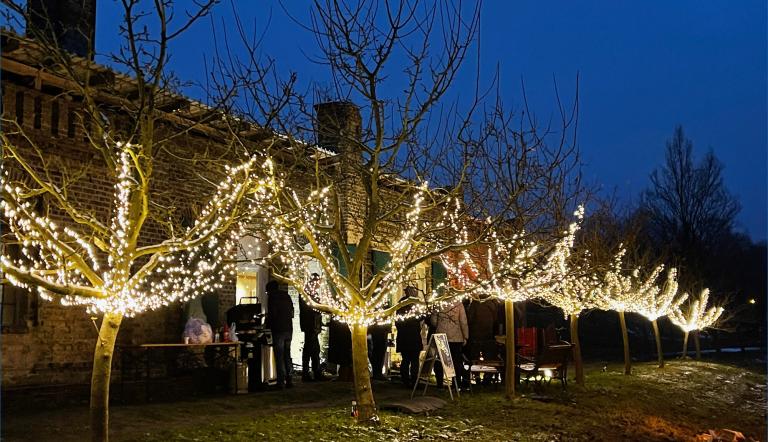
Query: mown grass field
pixel 675 403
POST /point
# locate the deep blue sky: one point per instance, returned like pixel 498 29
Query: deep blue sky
pixel 644 68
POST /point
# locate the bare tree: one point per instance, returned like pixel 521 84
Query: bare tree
pixel 688 206
pixel 99 255
pixel 405 172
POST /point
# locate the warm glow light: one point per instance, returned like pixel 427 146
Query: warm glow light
pixel 301 238
pixel 514 268
pixel 107 271
pixel 696 316
pixel 657 301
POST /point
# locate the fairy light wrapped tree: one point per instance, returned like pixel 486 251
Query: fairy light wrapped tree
pixel 514 269
pixel 657 301
pixel 621 293
pixel 101 265
pixel 302 240
pixel 694 318
pixel 580 289
pixel 149 246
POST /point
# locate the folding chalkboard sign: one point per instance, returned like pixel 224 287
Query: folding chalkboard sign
pixel 437 350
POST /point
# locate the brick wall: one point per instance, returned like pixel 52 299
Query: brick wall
pixel 57 347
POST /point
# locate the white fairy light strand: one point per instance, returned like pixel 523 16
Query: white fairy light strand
pixel 696 316
pixel 179 269
pixel 375 302
pixel 514 268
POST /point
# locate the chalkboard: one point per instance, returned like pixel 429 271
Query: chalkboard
pixel 444 352
pixel 439 351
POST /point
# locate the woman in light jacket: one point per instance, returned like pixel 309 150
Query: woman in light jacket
pixel 452 320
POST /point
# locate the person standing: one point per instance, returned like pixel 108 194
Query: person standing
pixel 409 341
pixel 377 350
pixel 482 317
pixel 311 323
pixel 452 320
pixel 280 322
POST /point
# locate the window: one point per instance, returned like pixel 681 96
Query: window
pixel 439 275
pixel 70 123
pixel 15 301
pixel 18 306
pixel 86 128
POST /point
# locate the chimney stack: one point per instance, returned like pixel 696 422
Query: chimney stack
pixel 338 125
pixel 71 22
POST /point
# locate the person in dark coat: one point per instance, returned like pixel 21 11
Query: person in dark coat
pixel 378 349
pixel 280 323
pixel 409 343
pixel 340 348
pixel 311 323
pixel 482 318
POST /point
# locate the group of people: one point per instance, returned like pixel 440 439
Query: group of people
pixel 279 320
pixel 469 330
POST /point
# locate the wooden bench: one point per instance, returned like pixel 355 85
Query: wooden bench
pixel 550 363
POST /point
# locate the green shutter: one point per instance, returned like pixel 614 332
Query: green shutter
pixel 339 262
pixel 439 274
pixel 380 260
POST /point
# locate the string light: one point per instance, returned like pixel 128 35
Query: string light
pixel 514 269
pixel 696 316
pixel 655 301
pixel 302 235
pixel 624 290
pixel 122 277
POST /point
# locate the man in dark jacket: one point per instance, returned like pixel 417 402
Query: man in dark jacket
pixel 482 320
pixel 409 343
pixel 311 322
pixel 482 317
pixel 377 350
pixel 280 322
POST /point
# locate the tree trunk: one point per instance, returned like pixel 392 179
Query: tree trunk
pixel 577 362
pixel 685 345
pixel 658 343
pixel 102 369
pixel 362 378
pixel 625 337
pixel 698 345
pixel 509 366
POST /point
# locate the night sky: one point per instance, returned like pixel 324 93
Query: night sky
pixel 644 68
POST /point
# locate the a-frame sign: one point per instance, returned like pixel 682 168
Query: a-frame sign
pixel 437 351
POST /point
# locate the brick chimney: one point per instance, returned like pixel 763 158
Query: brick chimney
pixel 338 126
pixel 71 22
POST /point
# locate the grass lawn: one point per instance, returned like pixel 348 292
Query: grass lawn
pixel 676 403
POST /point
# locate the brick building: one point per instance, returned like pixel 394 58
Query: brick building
pixel 45 343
